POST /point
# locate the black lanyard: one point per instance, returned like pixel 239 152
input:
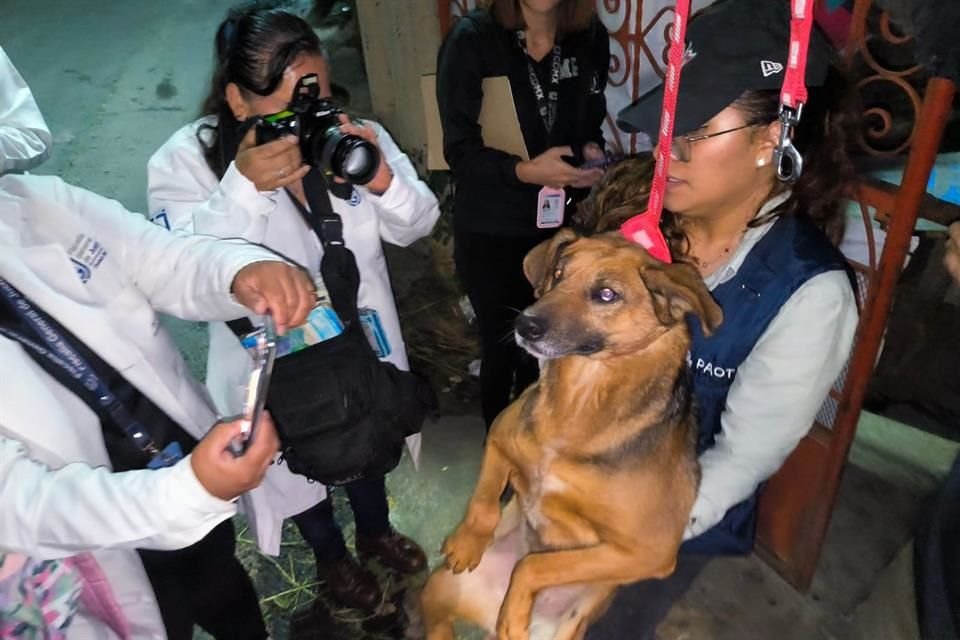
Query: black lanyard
pixel 56 350
pixel 546 102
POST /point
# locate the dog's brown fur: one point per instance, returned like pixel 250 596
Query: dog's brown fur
pixel 600 451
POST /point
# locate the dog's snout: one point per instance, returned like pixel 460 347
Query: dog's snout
pixel 530 327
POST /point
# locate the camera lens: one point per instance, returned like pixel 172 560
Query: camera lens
pixel 348 156
pixel 357 161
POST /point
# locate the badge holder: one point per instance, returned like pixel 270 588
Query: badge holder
pixel 171 455
pixel 373 329
pixel 550 205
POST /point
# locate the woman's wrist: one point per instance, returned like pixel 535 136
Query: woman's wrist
pixel 523 171
pixel 381 182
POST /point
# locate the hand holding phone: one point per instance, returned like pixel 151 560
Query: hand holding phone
pixel 257 385
pixel 596 163
pixel 603 161
pixel 220 471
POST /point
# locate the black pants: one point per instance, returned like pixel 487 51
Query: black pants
pixel 491 270
pixel 368 500
pixel 206 585
pixel 639 608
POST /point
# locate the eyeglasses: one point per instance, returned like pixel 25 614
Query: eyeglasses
pixel 680 149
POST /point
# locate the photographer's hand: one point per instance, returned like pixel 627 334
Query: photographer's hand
pixel 273 165
pixel 384 176
pixel 550 170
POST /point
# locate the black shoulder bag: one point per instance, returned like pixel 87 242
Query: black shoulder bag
pixel 341 413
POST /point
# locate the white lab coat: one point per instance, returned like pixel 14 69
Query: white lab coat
pixel 102 272
pixel 184 194
pixel 24 136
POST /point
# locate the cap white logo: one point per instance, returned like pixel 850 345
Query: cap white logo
pixel 688 55
pixel 770 68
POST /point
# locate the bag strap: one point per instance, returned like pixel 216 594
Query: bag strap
pixel 53 346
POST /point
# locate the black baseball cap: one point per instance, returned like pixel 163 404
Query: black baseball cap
pixel 732 46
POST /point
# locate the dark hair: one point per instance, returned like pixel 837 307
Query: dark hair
pixel 575 15
pixel 825 138
pixel 622 192
pixel 253 47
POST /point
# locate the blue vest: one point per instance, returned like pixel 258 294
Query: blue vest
pixel 791 252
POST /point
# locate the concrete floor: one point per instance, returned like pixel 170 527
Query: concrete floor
pixel 115 79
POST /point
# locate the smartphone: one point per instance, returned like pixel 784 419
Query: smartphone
pixel 603 162
pixel 257 385
pixel 596 163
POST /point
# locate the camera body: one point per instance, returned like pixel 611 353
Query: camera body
pixel 315 121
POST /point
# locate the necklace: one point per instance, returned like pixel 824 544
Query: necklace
pixel 724 253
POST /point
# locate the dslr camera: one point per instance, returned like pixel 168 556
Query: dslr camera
pixel 315 121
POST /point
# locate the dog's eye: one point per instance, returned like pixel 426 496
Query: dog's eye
pixel 606 294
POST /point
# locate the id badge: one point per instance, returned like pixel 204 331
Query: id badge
pixel 550 205
pixel 171 455
pixel 373 328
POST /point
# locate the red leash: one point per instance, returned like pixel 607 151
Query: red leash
pixel 794 92
pixel 644 229
pixel 788 160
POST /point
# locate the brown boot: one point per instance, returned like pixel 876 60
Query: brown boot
pixel 350 585
pixel 393 550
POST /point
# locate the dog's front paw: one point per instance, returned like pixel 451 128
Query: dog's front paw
pixel 464 549
pixel 514 623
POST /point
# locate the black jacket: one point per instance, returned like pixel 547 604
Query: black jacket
pixel 489 197
pixel 937 563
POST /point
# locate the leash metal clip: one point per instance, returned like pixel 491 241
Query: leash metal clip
pixel 786 156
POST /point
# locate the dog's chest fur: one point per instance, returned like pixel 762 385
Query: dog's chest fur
pixel 541 481
pixel 545 492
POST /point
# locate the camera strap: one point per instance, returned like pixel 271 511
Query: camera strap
pixel 546 102
pixel 68 364
pixel 338 267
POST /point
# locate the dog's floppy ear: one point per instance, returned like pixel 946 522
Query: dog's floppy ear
pixel 678 289
pixel 539 262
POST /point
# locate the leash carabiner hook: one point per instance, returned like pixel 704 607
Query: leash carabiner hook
pixel 786 156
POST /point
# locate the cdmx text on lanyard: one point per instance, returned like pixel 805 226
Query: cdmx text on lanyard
pixel 546 102
pixel 60 353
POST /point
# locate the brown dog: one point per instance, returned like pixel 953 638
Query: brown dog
pixel 600 451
